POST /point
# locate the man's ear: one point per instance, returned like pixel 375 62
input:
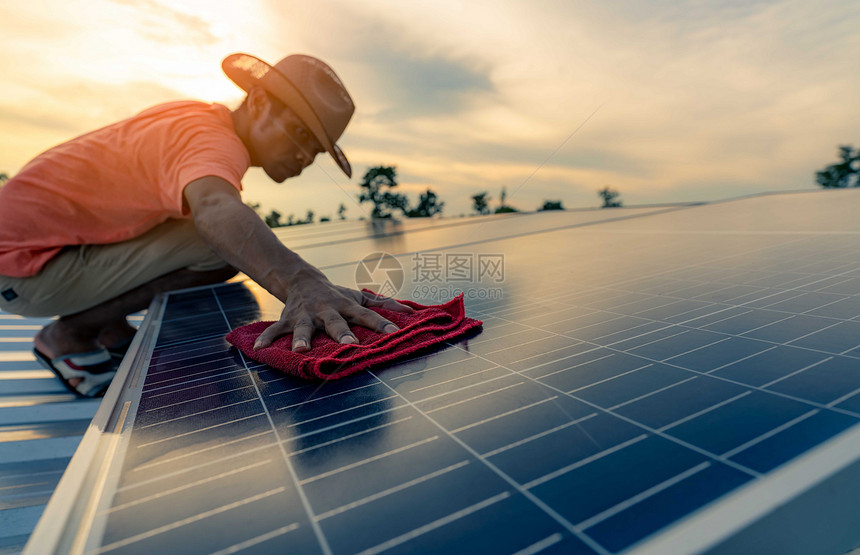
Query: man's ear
pixel 258 102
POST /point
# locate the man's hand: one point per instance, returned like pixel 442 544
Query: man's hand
pixel 311 301
pixel 315 303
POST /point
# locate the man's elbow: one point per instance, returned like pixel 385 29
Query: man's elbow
pixel 208 198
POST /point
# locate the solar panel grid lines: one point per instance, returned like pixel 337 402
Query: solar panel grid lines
pixel 606 316
pixel 324 546
pixel 136 482
pixel 609 290
pixel 576 465
pixel 645 357
pixel 710 407
pixel 347 436
pixel 513 483
pixel 704 272
pixel 190 520
pixel 641 381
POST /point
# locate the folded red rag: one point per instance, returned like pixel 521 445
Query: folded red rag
pixel 428 327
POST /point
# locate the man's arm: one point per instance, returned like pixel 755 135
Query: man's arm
pixel 310 300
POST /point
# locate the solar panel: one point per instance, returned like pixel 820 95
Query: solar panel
pixel 660 380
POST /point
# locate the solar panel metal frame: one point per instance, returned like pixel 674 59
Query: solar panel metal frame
pixel 820 485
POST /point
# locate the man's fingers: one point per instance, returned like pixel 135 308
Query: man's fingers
pixel 372 321
pixel 337 328
pixel 334 320
pixel 302 333
pixel 271 333
pixel 395 306
pixel 385 302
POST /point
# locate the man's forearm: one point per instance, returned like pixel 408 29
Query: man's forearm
pixel 244 241
pixel 311 301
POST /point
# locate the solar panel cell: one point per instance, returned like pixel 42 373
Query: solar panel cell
pixel 602 482
pixel 789 329
pixel 679 344
pixel 395 517
pixel 719 354
pixel 696 488
pixel 824 383
pixel 786 442
pixel 767 366
pixel 634 385
pixel 680 401
pixel 736 421
pixel 559 447
pixel 839 337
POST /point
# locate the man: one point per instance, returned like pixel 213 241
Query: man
pixel 91 230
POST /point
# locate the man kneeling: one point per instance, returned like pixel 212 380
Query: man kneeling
pixel 92 229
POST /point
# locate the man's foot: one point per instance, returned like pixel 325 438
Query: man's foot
pixel 91 371
pixel 56 340
pixel 116 338
pixel 117 335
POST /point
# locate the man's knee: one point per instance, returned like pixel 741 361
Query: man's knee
pixel 208 277
pixel 218 274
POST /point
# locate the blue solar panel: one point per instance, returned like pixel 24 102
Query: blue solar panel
pixel 634 375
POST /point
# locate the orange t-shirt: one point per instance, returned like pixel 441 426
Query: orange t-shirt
pixel 115 183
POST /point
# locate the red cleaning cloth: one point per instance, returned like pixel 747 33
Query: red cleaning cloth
pixel 428 327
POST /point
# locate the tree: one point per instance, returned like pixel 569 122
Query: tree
pixel 428 205
pixel 480 203
pixel 609 196
pixel 504 208
pixel 273 219
pixel 551 205
pixel 4 177
pixel 376 185
pixel 839 175
pixel 309 217
pixel 341 211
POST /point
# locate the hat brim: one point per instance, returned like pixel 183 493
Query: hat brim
pixel 249 71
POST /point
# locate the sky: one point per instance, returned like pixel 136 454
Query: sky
pixel 663 101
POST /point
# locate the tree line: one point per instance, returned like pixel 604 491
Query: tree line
pixel 378 187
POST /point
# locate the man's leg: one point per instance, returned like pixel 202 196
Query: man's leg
pixel 85 331
pixel 94 287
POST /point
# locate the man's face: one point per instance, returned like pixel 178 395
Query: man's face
pixel 285 146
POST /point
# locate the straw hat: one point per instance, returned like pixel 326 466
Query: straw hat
pixel 308 86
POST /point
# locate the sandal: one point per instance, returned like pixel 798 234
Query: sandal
pixel 95 367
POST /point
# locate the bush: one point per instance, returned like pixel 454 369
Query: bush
pixel 551 205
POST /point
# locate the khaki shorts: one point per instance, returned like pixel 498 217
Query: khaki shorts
pixel 81 277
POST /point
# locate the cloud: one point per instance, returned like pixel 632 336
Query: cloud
pixel 420 87
pixel 732 91
pixel 164 24
pixel 470 96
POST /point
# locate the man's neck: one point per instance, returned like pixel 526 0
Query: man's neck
pixel 242 126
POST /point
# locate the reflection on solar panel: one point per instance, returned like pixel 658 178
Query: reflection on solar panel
pixel 659 380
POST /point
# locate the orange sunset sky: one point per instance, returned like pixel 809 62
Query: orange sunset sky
pixel 687 100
